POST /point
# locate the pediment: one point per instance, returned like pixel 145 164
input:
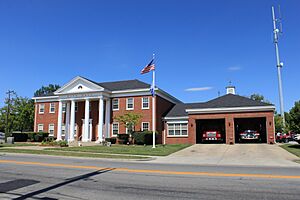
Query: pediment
pixel 79 85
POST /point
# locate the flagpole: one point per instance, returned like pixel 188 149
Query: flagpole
pixel 153 106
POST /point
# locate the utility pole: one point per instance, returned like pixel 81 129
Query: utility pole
pixel 9 93
pixel 279 64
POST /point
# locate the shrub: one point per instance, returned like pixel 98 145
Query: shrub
pixel 30 136
pixel 144 137
pixel 112 140
pixel 123 138
pixel 52 142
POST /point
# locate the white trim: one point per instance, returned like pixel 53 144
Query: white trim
pixel 42 104
pixel 59 91
pixel 145 108
pixel 52 124
pixel 232 109
pixel 46 97
pixel 175 118
pixel 38 130
pixel 142 127
pixel 132 103
pixel 50 108
pixel 177 122
pixel 112 128
pixel 112 101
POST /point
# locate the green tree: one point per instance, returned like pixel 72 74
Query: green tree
pixel 294 118
pixel 23 114
pixel 259 97
pixel 44 90
pixel 129 120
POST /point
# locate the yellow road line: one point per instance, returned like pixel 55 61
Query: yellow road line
pixel 216 174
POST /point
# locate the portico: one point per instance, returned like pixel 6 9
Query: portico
pixel 83 93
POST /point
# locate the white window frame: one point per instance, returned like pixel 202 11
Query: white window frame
pixel 112 128
pixel 40 106
pixel 38 128
pixel 180 129
pixel 50 107
pixel 118 100
pixel 63 129
pixel 142 126
pixel 51 134
pixel 132 103
pixel 144 108
pixel 126 131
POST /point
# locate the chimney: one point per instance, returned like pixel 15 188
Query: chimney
pixel 230 89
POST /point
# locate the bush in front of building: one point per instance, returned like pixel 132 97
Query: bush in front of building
pixel 122 138
pixel 143 137
pixel 112 140
pixel 29 136
pixel 50 141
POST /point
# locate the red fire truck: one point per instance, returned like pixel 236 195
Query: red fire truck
pixel 212 136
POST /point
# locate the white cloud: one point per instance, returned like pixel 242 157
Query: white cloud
pixel 234 68
pixel 198 89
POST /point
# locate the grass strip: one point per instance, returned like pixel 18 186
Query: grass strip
pixel 292 148
pixel 160 150
pixel 74 154
pixel 19 144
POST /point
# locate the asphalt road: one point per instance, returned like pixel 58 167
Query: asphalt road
pixel 47 177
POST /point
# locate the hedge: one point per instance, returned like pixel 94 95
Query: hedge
pixel 112 140
pixel 123 138
pixel 144 137
pixel 30 136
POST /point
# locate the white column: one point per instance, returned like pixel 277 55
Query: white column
pixel 100 121
pixel 72 121
pixel 59 121
pixel 67 125
pixel 107 118
pixel 86 121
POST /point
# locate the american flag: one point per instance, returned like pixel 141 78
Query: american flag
pixel 149 67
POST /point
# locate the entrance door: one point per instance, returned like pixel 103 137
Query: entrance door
pixel 90 132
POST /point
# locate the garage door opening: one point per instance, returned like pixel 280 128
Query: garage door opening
pixel 210 131
pixel 250 130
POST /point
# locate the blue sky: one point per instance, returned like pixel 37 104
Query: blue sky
pixel 198 44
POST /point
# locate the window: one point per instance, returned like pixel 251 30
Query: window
pixel 76 106
pixel 145 102
pixel 51 129
pixel 64 107
pixel 129 103
pixel 115 128
pixel 115 104
pixel 145 126
pixel 52 108
pixel 178 129
pixel 41 108
pixel 132 129
pixel 40 127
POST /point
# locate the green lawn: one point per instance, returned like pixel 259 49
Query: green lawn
pixel 292 148
pixel 19 144
pixel 160 150
pixel 70 153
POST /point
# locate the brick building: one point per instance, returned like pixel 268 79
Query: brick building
pixel 84 110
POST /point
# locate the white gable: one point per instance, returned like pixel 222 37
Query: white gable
pixel 79 85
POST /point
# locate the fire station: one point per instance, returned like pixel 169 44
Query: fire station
pixel 85 110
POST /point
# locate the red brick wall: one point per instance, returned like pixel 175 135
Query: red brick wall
pixel 146 113
pixel 162 107
pixel 46 118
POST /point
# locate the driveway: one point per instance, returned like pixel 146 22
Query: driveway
pixel 238 154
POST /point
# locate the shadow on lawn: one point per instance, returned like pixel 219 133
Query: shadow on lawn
pixel 294 146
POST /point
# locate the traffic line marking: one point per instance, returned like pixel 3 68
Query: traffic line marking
pixel 215 174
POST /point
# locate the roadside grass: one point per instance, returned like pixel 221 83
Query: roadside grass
pixel 74 154
pixel 19 144
pixel 292 148
pixel 160 150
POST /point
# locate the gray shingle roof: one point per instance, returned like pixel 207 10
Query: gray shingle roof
pixel 226 101
pixel 124 85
